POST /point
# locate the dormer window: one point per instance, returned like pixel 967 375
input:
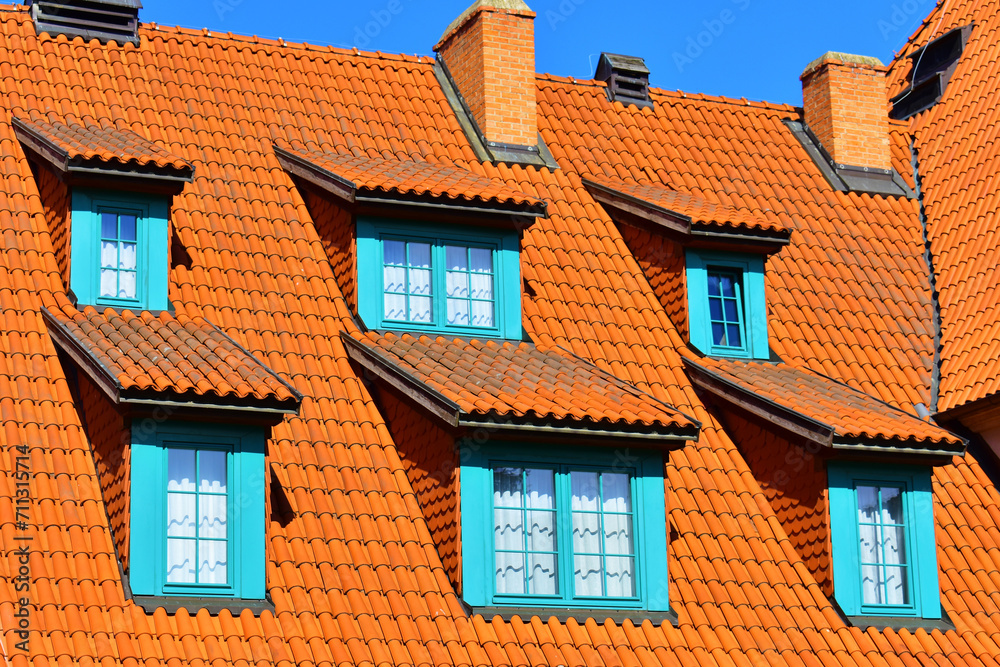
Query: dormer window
pixel 119 187
pixel 437 246
pixel 726 309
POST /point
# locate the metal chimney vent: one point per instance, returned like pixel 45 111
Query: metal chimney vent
pixel 627 78
pixel 104 20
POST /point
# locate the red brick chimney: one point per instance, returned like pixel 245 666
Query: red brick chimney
pixel 844 100
pixel 490 52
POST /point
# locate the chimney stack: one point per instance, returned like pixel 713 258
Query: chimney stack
pixel 490 53
pixel 844 100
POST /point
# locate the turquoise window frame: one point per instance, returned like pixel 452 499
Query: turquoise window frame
pixel 506 274
pixel 649 523
pixel 921 547
pixel 246 567
pixel 753 304
pixel 152 243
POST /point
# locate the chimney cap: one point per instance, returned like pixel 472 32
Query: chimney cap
pixel 837 58
pixel 504 6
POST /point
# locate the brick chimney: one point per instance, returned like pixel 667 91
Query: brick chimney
pixel 490 53
pixel 844 100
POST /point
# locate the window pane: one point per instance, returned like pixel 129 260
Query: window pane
pixel 180 561
pixel 212 516
pixel 420 309
pixel 510 574
pixel 871 584
pixel 126 284
pixel 180 470
pixel 541 530
pixel 508 529
pixel 481 286
pixel 482 314
pixel 541 485
pixel 212 471
pixel 588 576
pixel 109 226
pixel 109 254
pixel 507 485
pixel 109 282
pixel 617 497
pixel 718 334
pixel 726 283
pixel 420 254
pixel 586 533
pixel 618 534
pixel 620 577
pixel 733 336
pixel 395 306
pixel 893 545
pixel 214 556
pixel 395 278
pixel 394 252
pixel 715 309
pixel 867 504
pixel 481 260
pixel 730 308
pixel 180 514
pixel 458 284
pixel 713 285
pixel 456 257
pixel 127 225
pixel 892 505
pixel 584 486
pixel 896 588
pixel 420 282
pixel 542 578
pixel 458 312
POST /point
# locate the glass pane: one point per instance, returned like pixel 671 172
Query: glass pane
pixel 395 278
pixel 584 486
pixel 109 226
pixel 726 285
pixel 420 254
pixel 896 588
pixel 731 314
pixel 588 577
pixel 541 486
pixel 395 307
pixel 420 309
pixel 586 533
pixel 109 254
pixel 618 534
pixel 734 338
pixel 510 574
pixel 715 309
pixel 620 577
pixel 869 543
pixel 871 584
pixel 718 334
pixel 892 505
pixel 482 286
pixel 481 260
pixel 127 223
pixel 109 282
pixel 542 578
pixel 214 556
pixel 420 281
pixel 458 312
pixel 212 472
pixel 713 285
pixel 212 516
pixel 394 252
pixel 541 530
pixel 867 504
pixel 507 485
pixel 180 514
pixel 893 545
pixel 482 314
pixel 508 530
pixel 180 470
pixel 126 284
pixel 180 561
pixel 617 497
pixel 458 284
pixel 456 258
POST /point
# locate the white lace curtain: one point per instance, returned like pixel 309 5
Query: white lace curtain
pixel 118 255
pixel 197 528
pixel 526 526
pixel 883 545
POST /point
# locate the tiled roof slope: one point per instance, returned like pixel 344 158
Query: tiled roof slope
pixel 412 177
pixel 506 380
pixel 104 144
pixel 701 211
pixel 850 413
pixel 156 353
pixel 958 146
pixel 352 570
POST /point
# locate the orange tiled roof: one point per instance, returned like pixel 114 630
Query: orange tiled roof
pixel 413 177
pixel 957 143
pixel 848 414
pixel 159 355
pixel 697 210
pixel 352 570
pixel 504 381
pixel 79 142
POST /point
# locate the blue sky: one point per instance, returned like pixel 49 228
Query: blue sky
pixel 740 48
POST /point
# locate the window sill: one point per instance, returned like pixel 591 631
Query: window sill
pixel 563 614
pixel 170 604
pixel 901 623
